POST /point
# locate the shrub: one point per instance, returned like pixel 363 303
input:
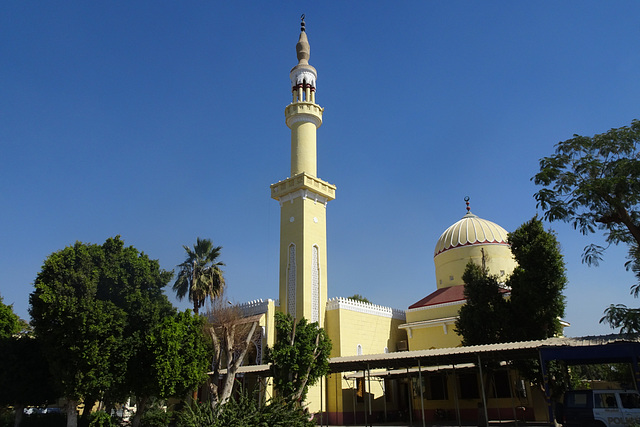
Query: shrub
pixel 155 417
pixel 243 411
pixel 102 419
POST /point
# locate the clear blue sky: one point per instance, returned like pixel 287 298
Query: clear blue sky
pixel 163 121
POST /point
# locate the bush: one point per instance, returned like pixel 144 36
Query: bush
pixel 6 417
pixel 155 417
pixel 102 419
pixel 243 411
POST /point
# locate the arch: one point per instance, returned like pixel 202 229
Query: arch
pixel 291 280
pixel 315 284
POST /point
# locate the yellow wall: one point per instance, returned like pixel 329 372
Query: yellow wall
pixel 303 148
pixel 307 229
pixel 451 263
pixel 348 328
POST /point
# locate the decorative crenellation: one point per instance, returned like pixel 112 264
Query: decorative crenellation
pixel 365 307
pixel 302 111
pixel 254 307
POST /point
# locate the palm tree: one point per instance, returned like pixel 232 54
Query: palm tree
pixel 200 275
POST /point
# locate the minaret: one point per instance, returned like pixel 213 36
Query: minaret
pixel 303 200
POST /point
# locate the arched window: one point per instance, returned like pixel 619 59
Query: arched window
pixel 291 281
pixel 315 285
pixel 359 350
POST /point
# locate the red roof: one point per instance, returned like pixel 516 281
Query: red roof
pixel 441 296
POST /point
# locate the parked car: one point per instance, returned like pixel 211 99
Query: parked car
pixel 601 408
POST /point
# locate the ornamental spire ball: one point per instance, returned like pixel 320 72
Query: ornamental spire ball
pixel 302 47
pixel 466 200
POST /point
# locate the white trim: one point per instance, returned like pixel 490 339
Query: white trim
pixel 304 194
pixel 254 307
pixel 445 322
pixel 305 118
pixel 364 307
pixel 302 76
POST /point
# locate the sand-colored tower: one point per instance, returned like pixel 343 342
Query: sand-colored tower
pixel 303 200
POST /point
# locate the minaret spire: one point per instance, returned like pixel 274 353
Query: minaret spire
pixel 302 48
pixel 303 115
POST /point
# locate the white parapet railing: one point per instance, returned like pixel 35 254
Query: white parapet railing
pixel 365 307
pixel 257 306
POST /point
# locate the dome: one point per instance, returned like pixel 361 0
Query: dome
pixel 471 230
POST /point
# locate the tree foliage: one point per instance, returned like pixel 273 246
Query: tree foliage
pixel 358 297
pixel 300 356
pixel 594 183
pixel 181 355
pixel 92 307
pixel 537 303
pixel 535 287
pixel 200 276
pixel 481 319
pixel 9 321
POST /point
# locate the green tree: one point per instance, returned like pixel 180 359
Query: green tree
pixel 537 303
pixel 91 307
pixel 594 183
pixel 200 276
pixel 182 355
pixel 79 332
pixel 358 297
pixel 535 287
pixel 481 319
pixel 299 358
pixel 9 321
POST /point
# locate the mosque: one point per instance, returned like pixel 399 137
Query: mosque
pixel 356 328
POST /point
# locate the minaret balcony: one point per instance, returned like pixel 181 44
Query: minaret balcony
pixel 303 112
pixel 305 186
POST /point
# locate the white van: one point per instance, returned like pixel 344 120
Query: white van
pixel 604 408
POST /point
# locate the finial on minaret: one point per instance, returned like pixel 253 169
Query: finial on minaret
pixel 466 200
pixel 302 48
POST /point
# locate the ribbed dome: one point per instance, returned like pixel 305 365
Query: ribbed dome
pixel 470 230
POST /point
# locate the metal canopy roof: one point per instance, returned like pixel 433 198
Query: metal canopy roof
pixel 467 354
pixel 582 348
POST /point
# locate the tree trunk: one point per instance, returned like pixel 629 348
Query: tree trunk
pixel 227 387
pixel 19 408
pixel 86 412
pixel 141 402
pixel 72 413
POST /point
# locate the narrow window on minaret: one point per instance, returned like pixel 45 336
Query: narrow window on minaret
pixel 315 286
pixel 291 281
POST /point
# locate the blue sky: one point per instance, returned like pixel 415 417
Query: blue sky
pixel 163 121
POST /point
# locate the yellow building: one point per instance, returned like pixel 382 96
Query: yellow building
pixel 357 328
